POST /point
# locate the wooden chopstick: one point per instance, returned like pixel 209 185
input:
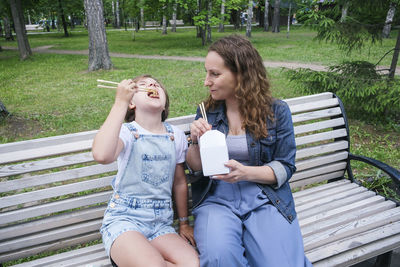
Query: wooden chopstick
pixel 140 89
pixel 104 81
pixel 203 111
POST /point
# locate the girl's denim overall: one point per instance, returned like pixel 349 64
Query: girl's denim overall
pixel 142 197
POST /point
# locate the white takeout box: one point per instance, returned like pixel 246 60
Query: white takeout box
pixel 213 153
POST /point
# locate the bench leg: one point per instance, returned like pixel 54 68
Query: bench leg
pixel 384 260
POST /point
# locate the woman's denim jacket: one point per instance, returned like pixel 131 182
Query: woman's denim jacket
pixel 278 151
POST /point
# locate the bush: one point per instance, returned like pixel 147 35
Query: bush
pixel 365 92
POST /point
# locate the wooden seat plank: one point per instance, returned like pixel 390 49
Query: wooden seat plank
pixel 319 188
pixel 318 137
pixel 338 166
pixel 55 191
pixel 315 105
pixel 314 115
pixel 52 207
pixel 45 164
pixel 317 126
pixel 308 98
pixel 316 179
pixel 322 160
pixel 321 149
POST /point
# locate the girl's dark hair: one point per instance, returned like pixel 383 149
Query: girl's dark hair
pixel 130 114
pixel 252 91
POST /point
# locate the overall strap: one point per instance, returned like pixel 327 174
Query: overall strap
pixel 169 128
pixel 130 127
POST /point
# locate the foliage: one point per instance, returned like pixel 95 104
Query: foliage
pixel 363 90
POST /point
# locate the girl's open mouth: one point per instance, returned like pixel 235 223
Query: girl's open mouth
pixel 153 93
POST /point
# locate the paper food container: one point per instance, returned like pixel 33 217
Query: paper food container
pixel 213 153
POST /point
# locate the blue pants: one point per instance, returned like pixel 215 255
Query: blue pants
pixel 260 238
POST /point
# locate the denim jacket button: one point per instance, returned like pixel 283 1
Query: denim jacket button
pixel 290 217
pixel 277 201
pixel 253 144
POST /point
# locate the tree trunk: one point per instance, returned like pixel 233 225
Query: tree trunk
pixel 221 24
pixel 3 111
pixel 266 19
pixel 117 15
pixel 98 47
pixel 344 12
pixel 288 20
pixel 389 20
pixel 173 28
pixel 7 29
pixel 1 30
pixel 164 21
pixel 249 18
pixel 64 22
pixel 142 17
pixel 275 20
pixel 19 24
pixel 395 57
pixel 209 40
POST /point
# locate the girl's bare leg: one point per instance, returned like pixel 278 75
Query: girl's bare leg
pixel 176 251
pixel 132 249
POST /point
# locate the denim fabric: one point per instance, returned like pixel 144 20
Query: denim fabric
pixel 142 198
pixel 278 151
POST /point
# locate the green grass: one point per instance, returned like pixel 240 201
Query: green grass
pixel 299 47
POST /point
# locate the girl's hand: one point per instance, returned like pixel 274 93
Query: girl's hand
pixel 238 172
pixel 186 232
pixel 198 128
pixel 125 91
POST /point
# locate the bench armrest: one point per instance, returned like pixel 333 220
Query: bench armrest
pixel 392 172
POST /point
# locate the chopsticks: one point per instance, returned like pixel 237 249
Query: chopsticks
pixel 203 111
pixel 140 89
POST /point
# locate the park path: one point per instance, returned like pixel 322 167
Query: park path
pixel 269 64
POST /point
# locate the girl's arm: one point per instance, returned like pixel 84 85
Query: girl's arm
pixel 180 190
pixel 107 145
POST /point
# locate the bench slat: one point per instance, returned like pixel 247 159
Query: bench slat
pixel 55 191
pixel 45 151
pixel 354 241
pixel 321 149
pixel 50 236
pixel 352 228
pixel 58 258
pixel 315 115
pixel 72 203
pixel 315 105
pixel 316 179
pixel 313 138
pixel 308 98
pixel 316 126
pixel 360 254
pixel 313 190
pixel 52 222
pixel 319 171
pixel 319 161
pixel 57 177
pixel 49 246
pixel 45 164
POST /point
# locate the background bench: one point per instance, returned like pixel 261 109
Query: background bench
pixel 53 196
pixel 179 22
pixel 152 24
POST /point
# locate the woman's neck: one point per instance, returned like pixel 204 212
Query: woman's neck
pixel 234 117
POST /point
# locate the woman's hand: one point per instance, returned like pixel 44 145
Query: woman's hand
pixel 238 172
pixel 198 128
pixel 125 91
pixel 186 232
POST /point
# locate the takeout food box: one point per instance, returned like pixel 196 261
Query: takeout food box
pixel 213 153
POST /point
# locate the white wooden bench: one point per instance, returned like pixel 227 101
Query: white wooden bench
pixel 179 22
pixel 52 195
pixel 152 24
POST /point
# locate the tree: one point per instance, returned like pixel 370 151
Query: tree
pixel 249 18
pixel 363 24
pixel 221 24
pixel 266 18
pixel 99 57
pixel 19 24
pixel 389 20
pixel 275 20
pixel 64 23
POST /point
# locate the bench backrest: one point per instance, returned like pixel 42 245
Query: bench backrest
pixel 53 195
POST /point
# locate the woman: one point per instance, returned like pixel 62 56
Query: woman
pixel 246 217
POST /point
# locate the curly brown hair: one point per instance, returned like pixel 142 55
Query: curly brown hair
pixel 130 113
pixel 253 87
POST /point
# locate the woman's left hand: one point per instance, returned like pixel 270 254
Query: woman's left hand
pixel 237 172
pixel 186 232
